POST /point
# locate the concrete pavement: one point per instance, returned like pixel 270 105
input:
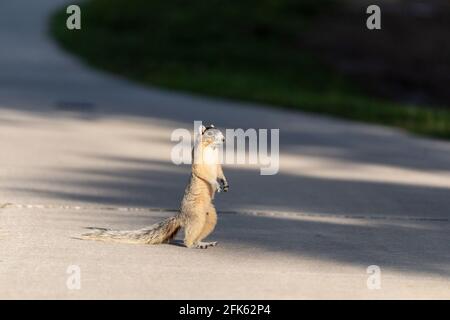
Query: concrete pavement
pixel 82 148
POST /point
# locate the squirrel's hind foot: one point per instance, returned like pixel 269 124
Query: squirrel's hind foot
pixel 205 245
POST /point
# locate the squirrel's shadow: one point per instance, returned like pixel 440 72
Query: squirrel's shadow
pixel 178 243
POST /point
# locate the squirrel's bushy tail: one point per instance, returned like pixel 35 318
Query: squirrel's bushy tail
pixel 158 233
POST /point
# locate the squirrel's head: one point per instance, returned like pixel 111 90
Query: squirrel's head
pixel 212 136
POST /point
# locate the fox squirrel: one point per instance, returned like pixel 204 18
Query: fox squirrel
pixel 197 214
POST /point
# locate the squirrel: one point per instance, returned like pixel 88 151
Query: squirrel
pixel 197 214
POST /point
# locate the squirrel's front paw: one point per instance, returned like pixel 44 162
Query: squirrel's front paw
pixel 224 186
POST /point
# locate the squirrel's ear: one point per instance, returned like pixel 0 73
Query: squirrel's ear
pixel 202 129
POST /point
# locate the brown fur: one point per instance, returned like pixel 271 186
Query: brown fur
pixel 197 214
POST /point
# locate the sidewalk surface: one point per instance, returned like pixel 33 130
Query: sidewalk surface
pixel 82 148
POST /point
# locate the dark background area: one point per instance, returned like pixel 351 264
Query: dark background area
pixel 314 56
pixel 408 60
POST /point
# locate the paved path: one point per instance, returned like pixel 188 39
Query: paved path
pixel 82 148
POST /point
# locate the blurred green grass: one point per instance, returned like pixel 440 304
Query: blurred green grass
pixel 235 49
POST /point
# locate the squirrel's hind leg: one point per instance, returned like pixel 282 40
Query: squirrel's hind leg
pixel 199 228
pixel 208 227
pixel 192 229
pixel 210 223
